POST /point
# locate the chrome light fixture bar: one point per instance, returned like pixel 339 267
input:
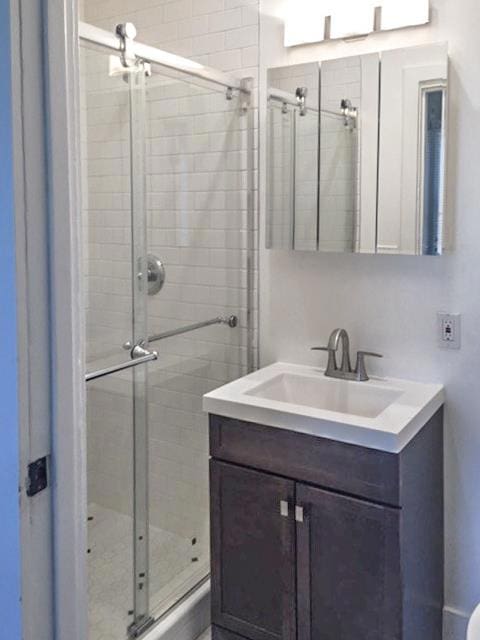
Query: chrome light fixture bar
pixel 145 52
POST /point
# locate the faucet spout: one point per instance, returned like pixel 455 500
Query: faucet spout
pixel 341 336
pixel 345 371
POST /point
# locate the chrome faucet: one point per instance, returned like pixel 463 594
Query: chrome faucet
pixel 345 371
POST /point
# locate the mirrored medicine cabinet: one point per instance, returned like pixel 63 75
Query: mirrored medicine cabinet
pixel 356 156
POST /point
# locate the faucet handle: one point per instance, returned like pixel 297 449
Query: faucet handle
pixel 369 353
pixel 332 360
pixel 360 369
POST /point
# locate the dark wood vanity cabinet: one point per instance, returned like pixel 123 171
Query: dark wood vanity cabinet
pixel 307 548
pixel 348 567
pixel 256 553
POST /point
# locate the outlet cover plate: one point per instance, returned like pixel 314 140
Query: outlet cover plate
pixel 449 330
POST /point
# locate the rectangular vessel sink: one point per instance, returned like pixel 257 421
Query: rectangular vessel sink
pixel 381 414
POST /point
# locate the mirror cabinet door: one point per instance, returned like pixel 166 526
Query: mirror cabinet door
pixel 340 85
pixel 411 188
pixel 292 157
pixel 348 154
pixel 306 179
pixel 357 153
pixel 280 176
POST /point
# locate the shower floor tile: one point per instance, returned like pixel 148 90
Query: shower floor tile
pixel 110 571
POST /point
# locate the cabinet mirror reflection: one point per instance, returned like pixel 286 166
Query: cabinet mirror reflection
pixel 356 155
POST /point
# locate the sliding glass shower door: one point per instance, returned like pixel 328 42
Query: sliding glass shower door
pixel 166 175
pixel 197 205
pixel 116 283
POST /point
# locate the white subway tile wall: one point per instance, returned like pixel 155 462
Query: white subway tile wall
pixel 196 215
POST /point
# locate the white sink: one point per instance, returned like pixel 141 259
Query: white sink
pixel 327 393
pixel 381 413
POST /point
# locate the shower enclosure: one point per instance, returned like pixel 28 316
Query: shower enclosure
pixel 168 232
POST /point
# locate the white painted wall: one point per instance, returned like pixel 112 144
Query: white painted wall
pixel 389 304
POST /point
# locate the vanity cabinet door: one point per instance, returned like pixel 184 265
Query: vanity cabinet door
pixel 348 568
pixel 253 553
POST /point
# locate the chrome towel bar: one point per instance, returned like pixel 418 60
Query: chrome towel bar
pixel 231 321
pixel 139 356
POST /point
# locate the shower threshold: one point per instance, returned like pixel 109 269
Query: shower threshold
pixel 189 619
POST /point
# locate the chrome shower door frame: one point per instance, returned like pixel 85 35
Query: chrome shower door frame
pixel 141 580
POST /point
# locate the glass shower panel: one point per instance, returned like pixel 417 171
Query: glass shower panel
pixel 107 249
pixel 197 185
pixel 106 198
pixel 167 191
pixel 113 215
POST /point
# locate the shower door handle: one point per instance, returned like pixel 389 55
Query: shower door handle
pixel 139 356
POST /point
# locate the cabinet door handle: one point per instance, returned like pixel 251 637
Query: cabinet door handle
pixel 299 513
pixel 284 508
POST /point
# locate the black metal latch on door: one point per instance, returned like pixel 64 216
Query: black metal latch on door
pixel 37 479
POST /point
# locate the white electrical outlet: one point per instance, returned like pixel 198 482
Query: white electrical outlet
pixel 449 332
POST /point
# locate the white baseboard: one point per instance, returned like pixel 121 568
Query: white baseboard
pixel 187 621
pixel 455 624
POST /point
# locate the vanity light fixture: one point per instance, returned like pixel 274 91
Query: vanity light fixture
pixel 352 18
pixel 309 21
pixel 304 22
pixel 397 14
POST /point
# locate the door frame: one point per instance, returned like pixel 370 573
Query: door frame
pixel 68 397
pixel 10 582
pixel 49 319
pixel 31 240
